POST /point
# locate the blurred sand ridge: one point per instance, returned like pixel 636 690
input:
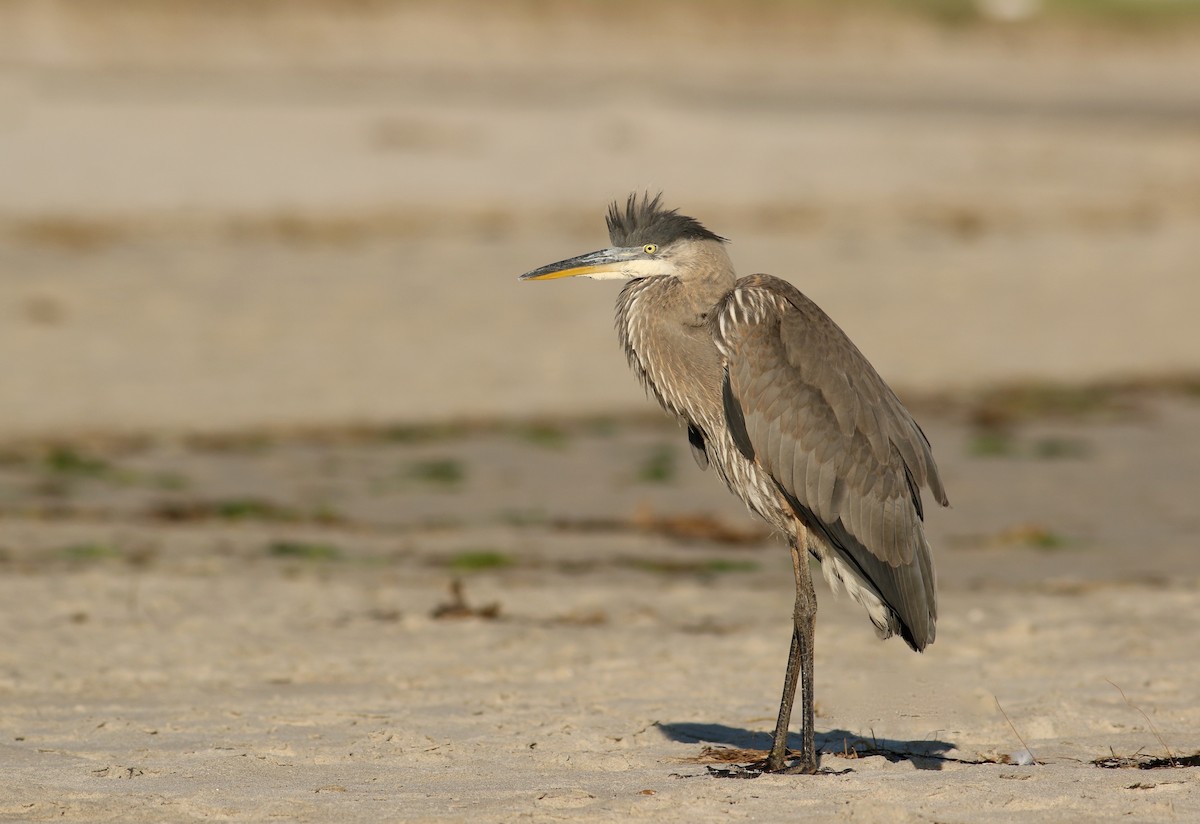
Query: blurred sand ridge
pixel 219 215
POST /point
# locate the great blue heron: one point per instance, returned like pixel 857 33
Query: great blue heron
pixel 792 417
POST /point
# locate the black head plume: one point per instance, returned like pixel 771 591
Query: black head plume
pixel 646 221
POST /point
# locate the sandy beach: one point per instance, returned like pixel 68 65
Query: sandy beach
pixel 265 629
pixel 310 512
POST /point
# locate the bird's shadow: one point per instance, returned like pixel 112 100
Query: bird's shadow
pixel 927 754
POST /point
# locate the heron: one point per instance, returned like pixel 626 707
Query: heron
pixel 793 418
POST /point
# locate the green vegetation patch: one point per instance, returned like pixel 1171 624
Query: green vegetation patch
pixel 988 444
pixel 88 551
pixel 658 467
pixel 1138 13
pixel 547 435
pixel 1054 448
pixel 1034 536
pixel 242 509
pixel 438 471
pixel 304 550
pixel 480 559
pixel 1004 406
pixel 1044 539
pixel 1127 12
pixel 993 443
pixel 246 509
pixel 423 433
pixel 64 460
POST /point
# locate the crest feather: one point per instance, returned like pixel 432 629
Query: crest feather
pixel 644 220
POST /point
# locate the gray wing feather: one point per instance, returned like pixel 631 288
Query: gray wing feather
pixel 802 401
pixel 696 441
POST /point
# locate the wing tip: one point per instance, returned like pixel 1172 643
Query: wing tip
pixel 917 643
pixel 916 639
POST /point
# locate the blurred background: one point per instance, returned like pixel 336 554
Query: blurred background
pixel 219 214
pixel 291 461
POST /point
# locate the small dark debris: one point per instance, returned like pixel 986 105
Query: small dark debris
pixel 686 528
pixel 695 527
pixel 118 772
pixel 1145 762
pixel 44 310
pixel 593 618
pixel 233 509
pixel 384 614
pixel 753 769
pixel 458 607
pixel 735 771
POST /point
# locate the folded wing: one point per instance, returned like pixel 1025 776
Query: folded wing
pixel 846 455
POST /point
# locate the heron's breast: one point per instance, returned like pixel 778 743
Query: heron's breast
pixel 748 481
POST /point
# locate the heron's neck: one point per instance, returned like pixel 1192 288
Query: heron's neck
pixel 662 326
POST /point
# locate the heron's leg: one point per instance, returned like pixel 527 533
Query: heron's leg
pixel 799 672
pixel 777 758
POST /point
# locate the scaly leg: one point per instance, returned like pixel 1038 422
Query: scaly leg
pixel 799 671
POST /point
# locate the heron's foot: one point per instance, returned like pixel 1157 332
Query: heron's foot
pixel 802 767
pixel 778 763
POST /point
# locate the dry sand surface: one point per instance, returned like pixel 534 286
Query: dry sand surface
pixel 257 267
pixel 255 629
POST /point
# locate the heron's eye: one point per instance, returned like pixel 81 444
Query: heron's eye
pixel 650 248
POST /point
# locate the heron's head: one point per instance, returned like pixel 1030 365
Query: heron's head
pixel 647 241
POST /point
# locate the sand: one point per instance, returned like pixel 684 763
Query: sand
pixel 264 629
pixel 272 392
